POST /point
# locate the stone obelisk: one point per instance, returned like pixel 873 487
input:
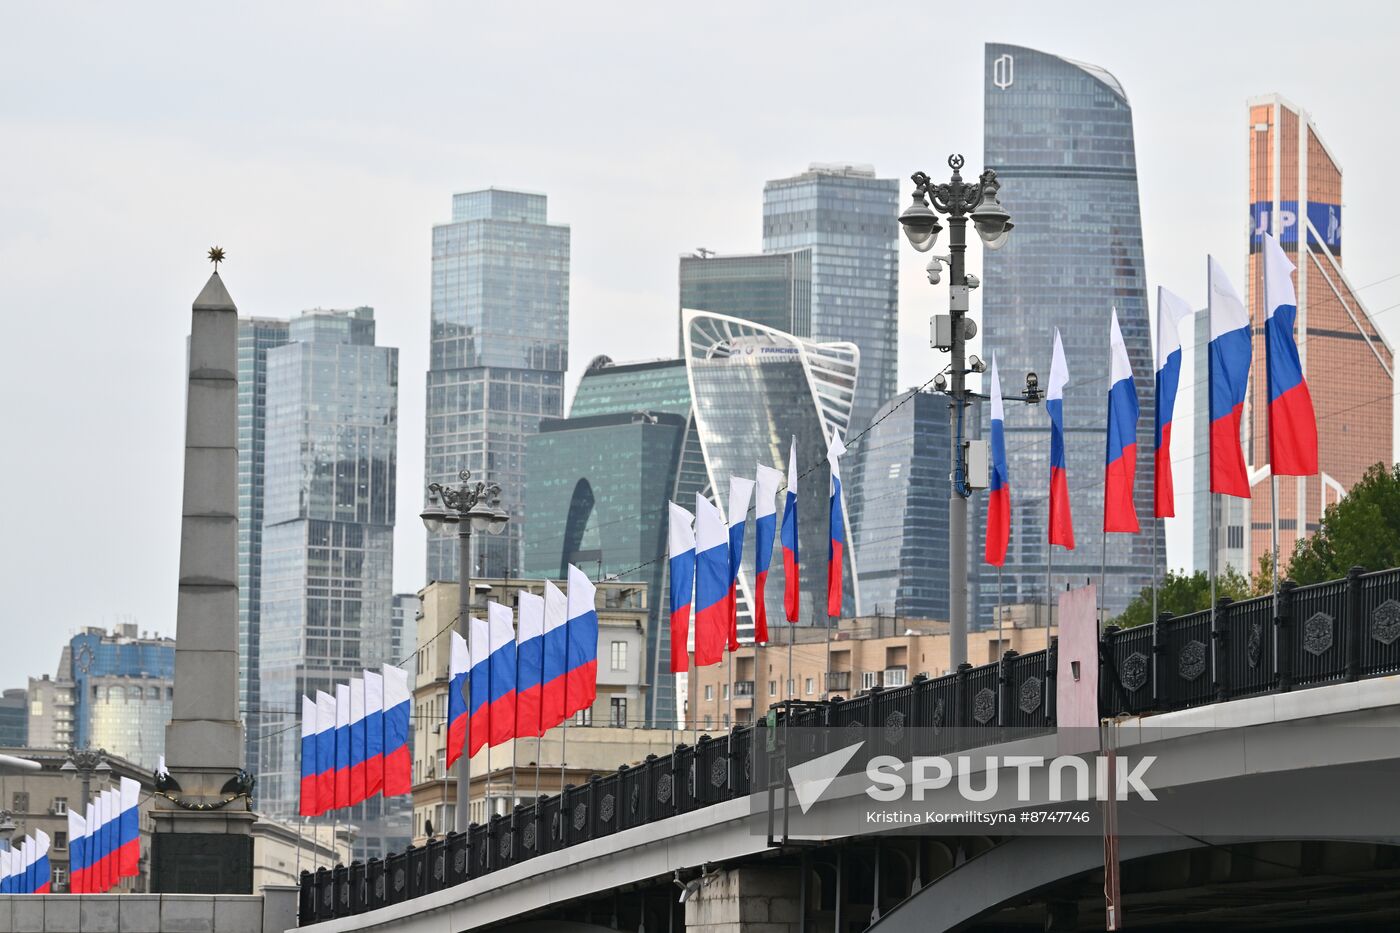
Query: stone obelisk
pixel 203 818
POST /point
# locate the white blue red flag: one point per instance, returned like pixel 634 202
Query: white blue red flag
pixel 554 701
pixel 1229 354
pixel 128 829
pixel 1120 459
pixel 342 745
pixel 999 482
pixel 711 582
pixel 1061 516
pixel 836 545
pixel 740 492
pixel 42 872
pixel 792 564
pixel 77 852
pixel 529 665
pixel 398 713
pixel 325 752
pixel 765 529
pixel 582 680
pixel 479 686
pixel 374 733
pixel 1292 423
pixel 459 665
pixel 501 672
pixel 309 772
pixel 357 741
pixel 681 556
pixel 1171 311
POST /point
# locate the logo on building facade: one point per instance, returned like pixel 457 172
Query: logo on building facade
pixel 1002 69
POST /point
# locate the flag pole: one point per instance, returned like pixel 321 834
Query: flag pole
pixel 729 716
pixel 791 687
pixel 1001 648
pixel 1049 590
pixel 1103 583
pixel 1157 527
pixel 826 687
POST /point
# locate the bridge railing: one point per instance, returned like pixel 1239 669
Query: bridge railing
pixel 1329 632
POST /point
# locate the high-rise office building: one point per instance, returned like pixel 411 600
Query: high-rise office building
pixel 327 558
pixel 772 289
pixel 14 718
pixel 1059 134
pixel 596 491
pixel 255 337
pixel 847 218
pixel 899 508
pixel 500 333
pixel 1295 193
pixel 755 389
pixel 402 629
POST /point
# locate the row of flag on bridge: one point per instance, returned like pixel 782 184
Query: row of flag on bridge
pixel 515 682
pixel 104 842
pixel 706 549
pixel 354 741
pixel 1292 425
pixel 25 869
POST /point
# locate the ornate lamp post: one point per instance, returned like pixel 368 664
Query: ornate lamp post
pixel 84 763
pixel 958 200
pixel 472 506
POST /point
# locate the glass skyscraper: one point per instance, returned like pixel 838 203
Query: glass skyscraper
pixel 500 332
pixel 123 686
pixel 847 218
pixel 327 577
pixel 255 337
pixel 1059 134
pixel 772 289
pixel 596 491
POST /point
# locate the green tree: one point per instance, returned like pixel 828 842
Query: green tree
pixel 1182 593
pixel 1363 529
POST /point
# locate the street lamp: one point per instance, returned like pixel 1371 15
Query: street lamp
pixel 472 506
pixel 84 763
pixel 958 200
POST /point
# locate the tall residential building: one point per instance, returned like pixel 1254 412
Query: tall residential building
pixel 772 289
pixel 500 333
pixel 756 388
pixel 1059 134
pixel 596 491
pixel 847 218
pixel 112 690
pixel 327 559
pixel 255 337
pixel 1295 192
pixel 899 508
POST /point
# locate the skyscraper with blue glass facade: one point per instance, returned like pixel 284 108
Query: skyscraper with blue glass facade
pixel 1059 134
pixel 328 525
pixel 500 333
pixel 847 218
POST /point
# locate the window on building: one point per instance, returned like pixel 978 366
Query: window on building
pixel 810 686
pixel 60 839
pixel 896 676
pixel 618 707
pixel 709 723
pixel 60 806
pixel 709 691
pixel 36 708
pixel 584 717
pixel 772 688
pixel 20 801
pixel 59 877
pixel 619 655
pixel 726 691
pixel 869 679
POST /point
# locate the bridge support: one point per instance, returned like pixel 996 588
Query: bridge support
pixel 754 899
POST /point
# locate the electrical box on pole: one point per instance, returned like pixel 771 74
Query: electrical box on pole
pixel 943 332
pixel 978 468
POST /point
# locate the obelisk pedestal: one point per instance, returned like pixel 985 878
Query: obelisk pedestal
pixel 203 817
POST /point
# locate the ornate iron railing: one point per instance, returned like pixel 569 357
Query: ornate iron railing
pixel 1336 631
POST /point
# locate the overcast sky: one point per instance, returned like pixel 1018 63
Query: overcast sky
pixel 319 143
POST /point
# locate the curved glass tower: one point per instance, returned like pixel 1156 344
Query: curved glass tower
pixel 1059 134
pixel 754 388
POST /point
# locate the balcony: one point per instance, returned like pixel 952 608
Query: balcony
pixel 743 689
pixel 838 681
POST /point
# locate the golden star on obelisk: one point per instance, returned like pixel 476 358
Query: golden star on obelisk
pixel 216 256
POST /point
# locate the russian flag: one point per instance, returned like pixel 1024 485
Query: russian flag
pixel 1292 424
pixel 1119 513
pixel 42 873
pixel 129 829
pixel 1171 311
pixel 998 483
pixel 680 548
pixel 529 665
pixel 26 866
pixel 342 745
pixel 837 544
pixel 582 679
pixel 111 832
pixel 479 687
pixel 711 582
pixel 5 873
pixel 765 529
pixel 92 848
pixel 325 752
pixel 459 665
pixel 357 741
pixel 740 492
pixel 1061 518
pixel 792 574
pixel 77 853
pixel 1229 354
pixel 398 711
pixel 374 733
pixel 554 696
pixel 308 760
pixel 501 666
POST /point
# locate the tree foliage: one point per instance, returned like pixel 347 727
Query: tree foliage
pixel 1182 593
pixel 1363 529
